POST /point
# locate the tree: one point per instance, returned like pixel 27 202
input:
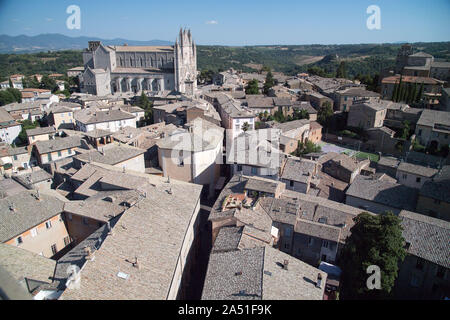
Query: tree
pixel 26 124
pixel 324 114
pixel 252 87
pixel 395 92
pixel 420 94
pixel 206 76
pixel 16 94
pixel 48 83
pixel 269 83
pixel 10 95
pixel 301 114
pixel 341 71
pixel 305 148
pixel 10 83
pixel 147 105
pixel 245 127
pixel 405 130
pixel 375 240
pixel 279 116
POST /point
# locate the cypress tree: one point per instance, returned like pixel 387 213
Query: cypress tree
pixel 414 93
pixel 401 93
pixel 420 94
pixel 395 93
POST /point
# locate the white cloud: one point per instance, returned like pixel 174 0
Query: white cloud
pixel 48 19
pixel 212 22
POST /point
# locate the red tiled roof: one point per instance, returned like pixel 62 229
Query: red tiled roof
pixel 396 79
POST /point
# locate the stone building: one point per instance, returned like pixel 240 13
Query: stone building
pixel 424 274
pixel 111 69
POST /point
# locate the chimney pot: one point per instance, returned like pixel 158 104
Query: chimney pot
pixel 319 280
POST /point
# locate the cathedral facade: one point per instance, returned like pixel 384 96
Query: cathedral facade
pixel 112 69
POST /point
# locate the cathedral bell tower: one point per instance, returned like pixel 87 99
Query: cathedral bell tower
pixel 185 63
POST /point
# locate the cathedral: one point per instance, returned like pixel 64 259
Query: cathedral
pixel 115 69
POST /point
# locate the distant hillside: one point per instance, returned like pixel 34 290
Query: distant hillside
pixel 291 59
pixel 52 42
pixel 361 59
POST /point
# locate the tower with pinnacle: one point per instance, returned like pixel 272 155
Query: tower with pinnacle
pixel 185 63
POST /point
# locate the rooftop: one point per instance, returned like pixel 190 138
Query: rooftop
pixel 383 192
pixel 25 265
pixel 88 116
pixel 427 237
pixel 23 211
pixel 152 231
pixel 439 187
pixel 53 145
pixel 439 120
pixel 30 178
pixel 111 155
pixel 417 169
pixel 259 274
pixel 40 130
pixel 298 170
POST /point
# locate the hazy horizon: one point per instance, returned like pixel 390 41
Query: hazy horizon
pixel 235 23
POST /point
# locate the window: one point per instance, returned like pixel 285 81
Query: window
pixel 70 216
pixel 49 157
pixel 254 170
pixel 420 132
pixel 19 240
pixel 310 241
pixel 48 224
pixel 54 250
pixel 404 176
pixel 85 221
pixel 69 151
pixel 239 167
pixel 436 201
pixel 15 157
pixel 59 152
pixel 418 179
pixel 34 232
pixel 419 264
pixel 324 257
pixel 291 183
pixel 66 241
pixel 325 244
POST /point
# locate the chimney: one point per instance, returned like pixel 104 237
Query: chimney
pixel 38 195
pixel 12 207
pixel 110 232
pixel 136 263
pixel 285 264
pixel 89 255
pixel 319 280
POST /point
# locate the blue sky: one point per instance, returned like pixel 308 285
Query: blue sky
pixel 231 22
